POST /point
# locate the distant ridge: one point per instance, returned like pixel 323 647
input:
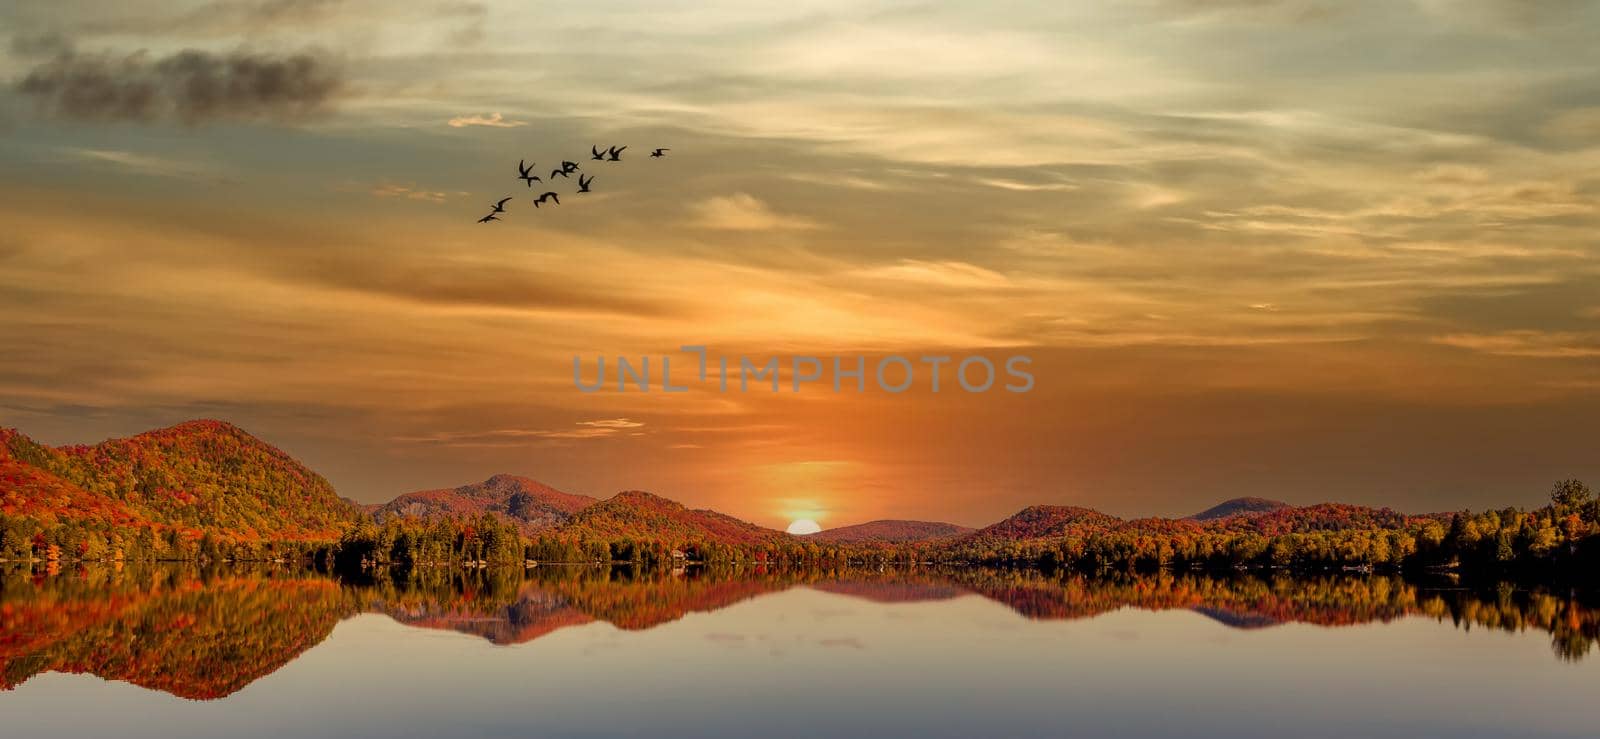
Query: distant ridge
pixel 1239 506
pixel 208 490
pixel 889 531
pixel 532 505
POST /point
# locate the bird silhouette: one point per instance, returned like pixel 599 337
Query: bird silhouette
pixel 569 167
pixel 500 207
pixel 596 154
pixel 547 196
pixel 490 217
pixel 525 172
pixel 583 182
pixel 614 154
pixel 658 153
pixel 554 173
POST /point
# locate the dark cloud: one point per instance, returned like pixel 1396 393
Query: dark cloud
pixel 39 45
pixel 193 87
pixel 225 17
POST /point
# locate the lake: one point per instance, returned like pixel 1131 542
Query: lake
pixel 595 651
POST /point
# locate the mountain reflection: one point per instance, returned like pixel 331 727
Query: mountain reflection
pixel 205 634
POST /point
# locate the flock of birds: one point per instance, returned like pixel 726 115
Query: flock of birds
pixel 567 169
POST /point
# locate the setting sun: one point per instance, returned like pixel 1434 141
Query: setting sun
pixel 803 526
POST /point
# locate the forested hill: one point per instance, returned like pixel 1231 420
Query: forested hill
pixel 1239 507
pixel 530 504
pixel 206 489
pixel 889 532
pixel 637 514
pixel 162 488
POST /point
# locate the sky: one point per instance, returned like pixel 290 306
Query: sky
pixel 1302 250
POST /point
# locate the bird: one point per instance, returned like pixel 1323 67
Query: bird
pixel 554 173
pixel 547 196
pixel 491 217
pixel 596 154
pixel 569 167
pixel 525 172
pixel 614 153
pixel 583 183
pixel 658 153
pixel 500 207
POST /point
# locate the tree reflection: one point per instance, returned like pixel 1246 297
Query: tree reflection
pixel 207 633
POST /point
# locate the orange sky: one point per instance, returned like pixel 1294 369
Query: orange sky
pixel 1251 249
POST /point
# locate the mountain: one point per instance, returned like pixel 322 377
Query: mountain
pixel 199 477
pixel 640 515
pixel 1239 506
pixel 889 532
pixel 532 505
pixel 1047 521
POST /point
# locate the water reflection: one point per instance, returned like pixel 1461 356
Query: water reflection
pixel 205 634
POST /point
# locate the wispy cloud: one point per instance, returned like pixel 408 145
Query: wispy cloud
pixel 744 212
pixel 613 423
pixel 514 437
pixel 493 120
pixel 1005 184
pixel 146 164
pixel 408 192
pixel 939 274
pixel 1528 343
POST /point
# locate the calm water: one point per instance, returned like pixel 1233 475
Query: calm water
pixel 594 652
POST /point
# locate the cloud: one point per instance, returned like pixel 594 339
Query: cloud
pixel 444 281
pixel 505 438
pixel 1296 11
pixel 409 192
pixel 191 86
pixel 613 423
pixel 493 120
pixel 1580 125
pixel 1005 184
pixel 1536 344
pixel 848 642
pixel 939 274
pixel 44 45
pixel 1515 14
pixel 145 163
pixel 743 212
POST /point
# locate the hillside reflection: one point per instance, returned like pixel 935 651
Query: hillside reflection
pixel 205 634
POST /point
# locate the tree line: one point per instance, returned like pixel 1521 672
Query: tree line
pixel 1561 537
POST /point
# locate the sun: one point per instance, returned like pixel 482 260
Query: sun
pixel 803 526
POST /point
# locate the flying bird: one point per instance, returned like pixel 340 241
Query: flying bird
pixel 547 196
pixel 500 207
pixel 525 172
pixel 554 173
pixel 658 153
pixel 583 182
pixel 491 217
pixel 596 154
pixel 614 153
pixel 569 167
